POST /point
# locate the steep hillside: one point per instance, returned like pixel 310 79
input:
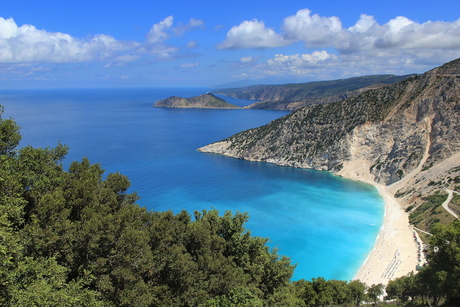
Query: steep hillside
pixel 208 101
pixel 297 95
pixel 405 136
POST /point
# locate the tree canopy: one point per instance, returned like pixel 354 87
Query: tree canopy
pixel 76 237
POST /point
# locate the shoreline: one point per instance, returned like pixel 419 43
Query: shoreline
pixel 394 253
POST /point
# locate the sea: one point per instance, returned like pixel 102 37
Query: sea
pixel 326 224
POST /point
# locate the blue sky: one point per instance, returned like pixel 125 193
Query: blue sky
pixel 140 43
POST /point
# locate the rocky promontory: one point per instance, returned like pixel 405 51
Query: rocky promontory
pixel 405 136
pixel 205 101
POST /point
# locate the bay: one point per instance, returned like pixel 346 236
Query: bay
pixel 326 224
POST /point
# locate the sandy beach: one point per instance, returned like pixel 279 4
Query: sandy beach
pixel 395 251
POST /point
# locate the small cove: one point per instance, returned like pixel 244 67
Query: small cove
pixel 326 224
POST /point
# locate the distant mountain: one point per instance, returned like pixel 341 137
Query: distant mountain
pixel 249 82
pixel 240 83
pixel 405 136
pixel 205 101
pixel 296 95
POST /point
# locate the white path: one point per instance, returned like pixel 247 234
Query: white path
pixel 445 204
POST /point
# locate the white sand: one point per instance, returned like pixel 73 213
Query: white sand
pixel 395 250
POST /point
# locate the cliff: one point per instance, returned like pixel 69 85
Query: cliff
pixel 405 136
pixel 296 95
pixel 208 101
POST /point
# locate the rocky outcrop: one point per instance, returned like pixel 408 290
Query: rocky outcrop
pixel 400 135
pixel 208 101
pixel 294 96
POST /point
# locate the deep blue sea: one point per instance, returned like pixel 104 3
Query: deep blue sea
pixel 326 224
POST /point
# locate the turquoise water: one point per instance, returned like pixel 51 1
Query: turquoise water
pixel 326 224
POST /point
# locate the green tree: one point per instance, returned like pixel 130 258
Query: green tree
pixel 444 260
pixel 9 135
pixel 374 293
pixel 43 283
pixel 357 291
pixel 75 238
pixel 403 288
pixel 341 292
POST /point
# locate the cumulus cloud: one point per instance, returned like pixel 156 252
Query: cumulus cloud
pixel 162 31
pixel 321 65
pixel 317 31
pixel 252 34
pixel 400 46
pixel 158 33
pixel 28 44
pixel 298 64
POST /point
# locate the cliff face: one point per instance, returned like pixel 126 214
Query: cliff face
pixel 209 101
pixel 399 135
pixel 297 95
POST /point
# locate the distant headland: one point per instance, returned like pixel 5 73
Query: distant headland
pixel 205 101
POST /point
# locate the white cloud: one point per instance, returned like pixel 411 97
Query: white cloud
pixel 367 34
pixel 316 31
pixel 27 44
pixel 321 65
pixel 252 34
pixel 158 32
pixel 162 31
pixel 400 46
pixel 298 64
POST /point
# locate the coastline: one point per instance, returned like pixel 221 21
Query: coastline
pixel 395 251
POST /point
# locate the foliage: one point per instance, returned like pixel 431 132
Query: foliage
pixel 430 212
pixel 77 238
pixel 321 292
pixel 439 280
